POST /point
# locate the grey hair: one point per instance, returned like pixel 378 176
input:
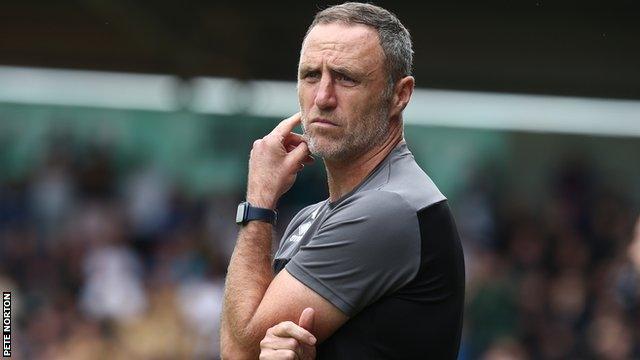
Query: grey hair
pixel 395 39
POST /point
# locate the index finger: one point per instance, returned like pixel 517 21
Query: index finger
pixel 289 329
pixel 287 125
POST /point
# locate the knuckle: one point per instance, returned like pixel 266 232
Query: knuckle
pixel 289 325
pixel 278 328
pixel 265 141
pixel 257 144
pixel 292 161
pixel 291 343
pixel 273 140
pixel 264 342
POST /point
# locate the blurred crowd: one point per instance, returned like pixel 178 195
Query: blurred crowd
pixel 559 280
pixel 112 264
pixel 106 262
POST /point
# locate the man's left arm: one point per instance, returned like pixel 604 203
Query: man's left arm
pixel 254 299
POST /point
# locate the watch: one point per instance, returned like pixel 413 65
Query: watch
pixel 247 212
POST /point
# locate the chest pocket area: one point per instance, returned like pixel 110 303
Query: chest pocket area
pixel 290 245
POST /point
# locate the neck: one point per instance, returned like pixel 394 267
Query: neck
pixel 344 176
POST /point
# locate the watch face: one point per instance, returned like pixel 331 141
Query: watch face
pixel 240 212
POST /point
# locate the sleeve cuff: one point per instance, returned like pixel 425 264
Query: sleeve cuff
pixel 321 289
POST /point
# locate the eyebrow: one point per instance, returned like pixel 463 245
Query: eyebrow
pixel 305 68
pixel 346 70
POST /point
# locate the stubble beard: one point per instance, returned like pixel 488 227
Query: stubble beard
pixel 368 133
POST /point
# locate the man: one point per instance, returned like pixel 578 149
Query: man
pixel 376 270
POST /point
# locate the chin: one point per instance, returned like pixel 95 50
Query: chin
pixel 321 148
pixel 326 147
pixel 337 153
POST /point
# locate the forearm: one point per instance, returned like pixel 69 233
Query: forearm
pixel 248 277
pixel 274 162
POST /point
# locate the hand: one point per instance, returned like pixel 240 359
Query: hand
pixel 274 163
pixel 290 341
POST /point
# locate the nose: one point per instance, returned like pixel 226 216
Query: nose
pixel 326 95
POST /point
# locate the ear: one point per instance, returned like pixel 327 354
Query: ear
pixel 402 92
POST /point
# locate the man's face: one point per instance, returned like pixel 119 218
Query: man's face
pixel 341 82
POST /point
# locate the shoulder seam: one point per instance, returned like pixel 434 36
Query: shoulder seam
pixel 415 212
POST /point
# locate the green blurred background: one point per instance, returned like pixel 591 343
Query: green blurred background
pixel 118 186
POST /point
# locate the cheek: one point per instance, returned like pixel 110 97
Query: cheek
pixel 301 96
pixel 306 96
pixel 301 100
pixel 355 109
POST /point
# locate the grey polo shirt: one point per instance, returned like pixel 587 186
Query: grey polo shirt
pixel 386 252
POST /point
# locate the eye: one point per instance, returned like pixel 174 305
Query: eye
pixel 311 76
pixel 346 80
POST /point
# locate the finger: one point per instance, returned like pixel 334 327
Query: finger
pixel 292 145
pixel 298 155
pixel 289 329
pixel 273 354
pixel 273 342
pixel 276 342
pixel 308 160
pixel 307 319
pixel 293 139
pixel 267 354
pixel 285 354
pixel 287 125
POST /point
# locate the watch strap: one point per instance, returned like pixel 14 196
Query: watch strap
pixel 256 213
pixel 247 212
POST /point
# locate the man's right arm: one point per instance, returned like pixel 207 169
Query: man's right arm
pixel 248 278
pixel 254 299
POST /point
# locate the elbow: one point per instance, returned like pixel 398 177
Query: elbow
pixel 231 352
pixel 232 349
pixel 240 342
pixel 226 353
pixel 237 353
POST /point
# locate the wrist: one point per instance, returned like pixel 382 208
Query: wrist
pixel 247 212
pixel 261 202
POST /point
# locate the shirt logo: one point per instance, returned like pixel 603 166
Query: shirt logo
pixel 302 229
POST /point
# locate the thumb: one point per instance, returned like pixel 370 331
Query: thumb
pixel 306 319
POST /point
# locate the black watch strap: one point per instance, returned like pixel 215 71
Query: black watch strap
pixel 247 212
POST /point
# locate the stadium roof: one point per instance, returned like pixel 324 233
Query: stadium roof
pixel 575 48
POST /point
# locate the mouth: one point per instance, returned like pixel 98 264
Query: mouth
pixel 323 122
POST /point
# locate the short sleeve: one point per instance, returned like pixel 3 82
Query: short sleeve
pixel 367 247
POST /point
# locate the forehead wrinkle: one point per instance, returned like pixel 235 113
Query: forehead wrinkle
pixel 339 65
pixel 357 37
pixel 342 46
pixel 358 46
pixel 358 62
